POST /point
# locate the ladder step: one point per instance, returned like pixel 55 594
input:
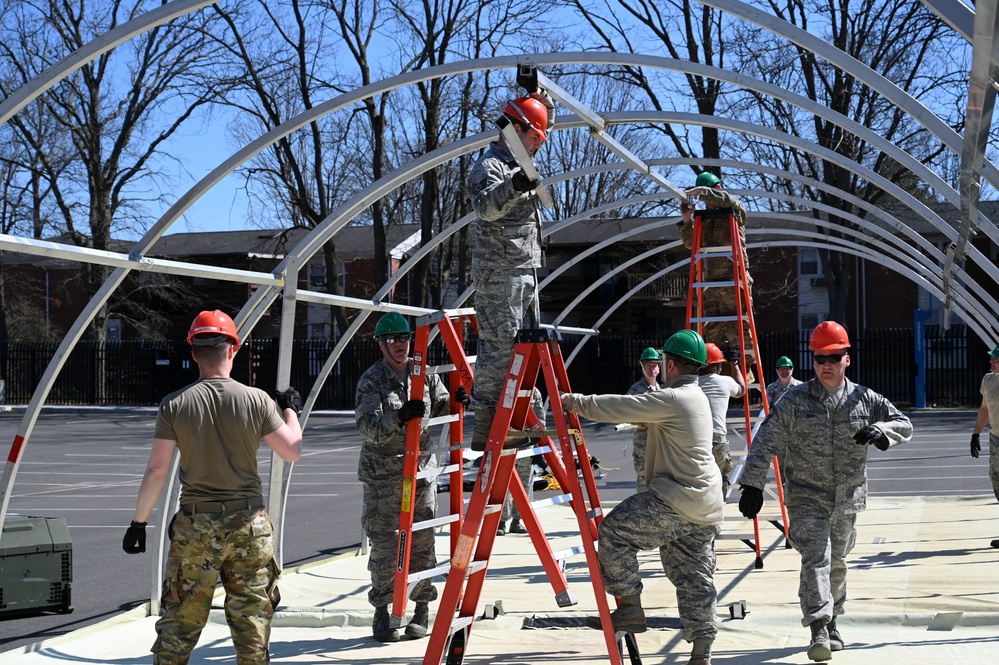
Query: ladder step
pixel 594 512
pixel 706 285
pixel 435 471
pixel 460 623
pixel 575 550
pixel 552 501
pixel 752 419
pixel 476 566
pixel 437 521
pixel 716 319
pixel 439 420
pixel 431 572
pixel 717 248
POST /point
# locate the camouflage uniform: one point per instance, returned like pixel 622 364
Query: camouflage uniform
pixel 776 390
pixel 720 301
pixel 640 440
pixel 682 510
pixel 719 389
pixel 825 479
pixel 380 394
pixel 525 465
pixel 506 252
pixel 990 393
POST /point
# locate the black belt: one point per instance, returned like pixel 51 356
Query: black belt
pixel 219 507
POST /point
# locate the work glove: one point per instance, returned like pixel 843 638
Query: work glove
pixel 871 434
pixel 976 447
pixel 733 355
pixel 522 183
pixel 461 397
pixel 414 408
pixel 289 399
pixel 134 541
pixel 751 501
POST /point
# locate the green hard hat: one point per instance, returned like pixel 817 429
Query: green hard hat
pixel 994 352
pixel 784 361
pixel 650 354
pixel 392 323
pixel 707 179
pixel 687 344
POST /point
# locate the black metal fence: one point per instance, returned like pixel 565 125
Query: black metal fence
pixel 138 373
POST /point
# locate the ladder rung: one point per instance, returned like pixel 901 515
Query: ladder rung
pixel 492 508
pixel 562 555
pixel 707 285
pixel 531 452
pixel 594 512
pixel 441 369
pixel 435 471
pixel 752 419
pixel 437 521
pixel 476 566
pixel 459 623
pixel 432 572
pixel 450 418
pixel 716 319
pixel 716 248
pixel 552 501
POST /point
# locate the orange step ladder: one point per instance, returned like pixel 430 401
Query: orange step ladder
pixel 743 317
pixel 535 351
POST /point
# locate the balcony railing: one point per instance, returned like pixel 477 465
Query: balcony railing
pixel 672 286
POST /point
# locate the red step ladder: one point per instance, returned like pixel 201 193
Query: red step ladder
pixel 535 351
pixel 743 315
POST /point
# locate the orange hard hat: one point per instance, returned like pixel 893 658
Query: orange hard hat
pixel 715 354
pixel 209 326
pixel 828 336
pixel 529 111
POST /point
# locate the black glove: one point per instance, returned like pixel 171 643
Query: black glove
pixel 522 183
pixel 461 397
pixel 976 447
pixel 134 541
pixel 733 355
pixel 414 408
pixel 289 399
pixel 871 434
pixel 751 501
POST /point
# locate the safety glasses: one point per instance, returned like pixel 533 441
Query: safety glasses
pixel 395 339
pixel 832 358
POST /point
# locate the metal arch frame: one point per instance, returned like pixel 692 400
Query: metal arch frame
pixel 959 16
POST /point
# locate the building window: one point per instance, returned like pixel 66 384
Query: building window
pixel 808 262
pixel 317 276
pixel 113 329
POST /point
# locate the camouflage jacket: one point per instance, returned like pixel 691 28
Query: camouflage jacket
pixel 718 198
pixel 507 229
pixel 378 398
pixel 775 390
pixel 813 441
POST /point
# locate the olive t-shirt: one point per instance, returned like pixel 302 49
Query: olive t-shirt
pixel 217 424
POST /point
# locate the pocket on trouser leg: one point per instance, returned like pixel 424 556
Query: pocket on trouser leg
pixel 273 592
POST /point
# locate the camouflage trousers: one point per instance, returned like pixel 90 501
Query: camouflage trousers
pixel 380 521
pixel 525 469
pixel 505 301
pixel 644 522
pixel 236 547
pixel 638 455
pixel 823 537
pixel 721 302
pixel 723 457
pixel 994 462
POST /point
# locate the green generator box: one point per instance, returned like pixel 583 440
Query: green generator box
pixel 36 565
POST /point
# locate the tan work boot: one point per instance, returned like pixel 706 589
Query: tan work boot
pixel 700 653
pixel 381 629
pixel 629 617
pixel 819 650
pixel 417 626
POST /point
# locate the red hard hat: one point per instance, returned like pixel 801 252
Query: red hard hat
pixel 529 111
pixel 828 336
pixel 216 323
pixel 715 354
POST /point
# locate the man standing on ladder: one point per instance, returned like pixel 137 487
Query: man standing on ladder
pixel 820 432
pixel 988 414
pixel 649 362
pixel 716 232
pixel 382 410
pixel 681 512
pixel 719 390
pixel 222 528
pixel 784 380
pixel 506 251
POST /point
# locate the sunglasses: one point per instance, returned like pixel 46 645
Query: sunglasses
pixel 832 358
pixel 395 339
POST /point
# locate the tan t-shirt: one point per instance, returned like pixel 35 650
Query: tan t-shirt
pixel 217 424
pixel 990 391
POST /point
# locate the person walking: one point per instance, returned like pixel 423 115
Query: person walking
pixel 382 409
pixel 784 382
pixel 649 361
pixel 681 513
pixel 820 432
pixel 719 390
pixel 506 252
pixel 222 529
pixel 988 414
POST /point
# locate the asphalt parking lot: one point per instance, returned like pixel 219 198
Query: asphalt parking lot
pixel 86 468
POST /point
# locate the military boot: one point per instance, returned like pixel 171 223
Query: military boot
pixel 417 627
pixel 700 654
pixel 629 617
pixel 381 629
pixel 516 526
pixel 819 649
pixel 835 639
